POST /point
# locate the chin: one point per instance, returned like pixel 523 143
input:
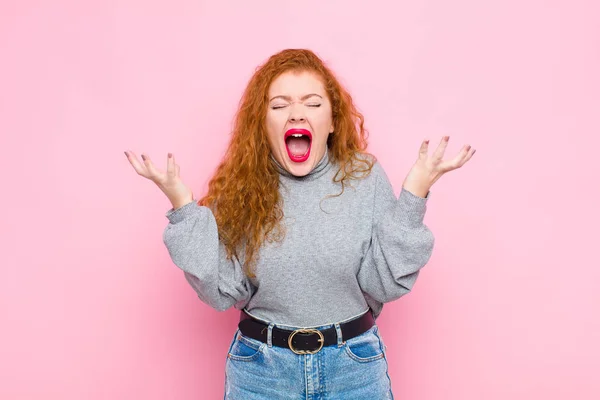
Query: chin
pixel 299 169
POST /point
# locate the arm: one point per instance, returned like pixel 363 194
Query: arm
pixel 192 240
pixel 400 243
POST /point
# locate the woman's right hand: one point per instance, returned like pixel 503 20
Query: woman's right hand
pixel 168 182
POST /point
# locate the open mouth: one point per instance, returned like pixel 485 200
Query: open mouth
pixel 297 142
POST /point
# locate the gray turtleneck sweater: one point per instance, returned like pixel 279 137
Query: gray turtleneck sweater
pixel 340 255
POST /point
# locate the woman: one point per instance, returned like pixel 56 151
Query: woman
pixel 301 231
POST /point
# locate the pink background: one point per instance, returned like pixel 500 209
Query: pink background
pixel 93 308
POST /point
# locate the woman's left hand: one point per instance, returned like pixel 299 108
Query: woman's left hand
pixel 428 169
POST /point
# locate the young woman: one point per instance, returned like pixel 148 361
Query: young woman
pixel 301 231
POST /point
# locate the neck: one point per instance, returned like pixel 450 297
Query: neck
pixel 322 166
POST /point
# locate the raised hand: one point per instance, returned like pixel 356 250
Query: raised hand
pixel 428 169
pixel 168 182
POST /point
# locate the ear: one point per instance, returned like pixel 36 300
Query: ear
pixel 331 128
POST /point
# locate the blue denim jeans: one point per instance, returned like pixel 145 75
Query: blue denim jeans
pixel 353 369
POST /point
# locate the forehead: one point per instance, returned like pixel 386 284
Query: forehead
pixel 293 83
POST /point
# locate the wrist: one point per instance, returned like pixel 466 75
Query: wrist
pixel 178 203
pixel 417 190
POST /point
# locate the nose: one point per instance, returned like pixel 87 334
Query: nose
pixel 297 114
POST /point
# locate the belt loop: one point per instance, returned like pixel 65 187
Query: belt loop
pixel 339 334
pixel 270 335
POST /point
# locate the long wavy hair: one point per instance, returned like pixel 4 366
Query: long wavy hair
pixel 243 193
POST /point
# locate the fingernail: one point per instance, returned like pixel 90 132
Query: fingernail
pixel 427 141
pixel 126 155
pixel 170 155
pixel 468 148
pixel 474 152
pixel 143 157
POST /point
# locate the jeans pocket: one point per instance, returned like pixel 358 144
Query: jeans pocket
pixel 365 347
pixel 245 348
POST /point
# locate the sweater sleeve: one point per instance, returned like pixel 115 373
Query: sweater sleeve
pixel 400 243
pixel 192 240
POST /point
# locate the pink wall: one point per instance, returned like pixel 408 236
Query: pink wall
pixel 91 305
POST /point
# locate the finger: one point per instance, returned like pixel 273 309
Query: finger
pixel 471 152
pixel 439 152
pixel 171 168
pixel 423 150
pixel 139 167
pixel 457 161
pixel 177 169
pixel 150 166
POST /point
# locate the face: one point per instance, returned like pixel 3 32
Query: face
pixel 298 121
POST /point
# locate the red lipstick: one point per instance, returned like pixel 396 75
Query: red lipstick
pixel 298 143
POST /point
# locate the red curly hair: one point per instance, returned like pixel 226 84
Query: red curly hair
pixel 243 193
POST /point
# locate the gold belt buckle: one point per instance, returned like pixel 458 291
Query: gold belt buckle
pixel 321 340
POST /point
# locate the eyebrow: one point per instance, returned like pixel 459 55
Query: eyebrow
pixel 288 98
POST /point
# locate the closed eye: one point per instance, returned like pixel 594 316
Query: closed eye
pixel 283 106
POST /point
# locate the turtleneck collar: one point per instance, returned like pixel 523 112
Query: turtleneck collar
pixel 320 169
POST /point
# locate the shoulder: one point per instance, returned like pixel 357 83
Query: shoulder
pixel 364 171
pixel 367 167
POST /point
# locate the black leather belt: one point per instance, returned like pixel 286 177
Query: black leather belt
pixel 306 340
